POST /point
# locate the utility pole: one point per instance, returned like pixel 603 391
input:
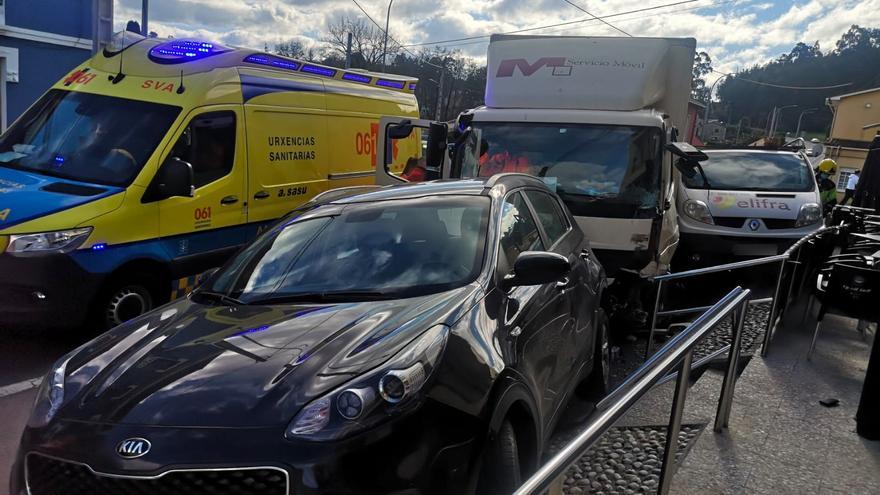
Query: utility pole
pixel 348 52
pixel 385 45
pixel 145 14
pixel 440 93
pixel 776 119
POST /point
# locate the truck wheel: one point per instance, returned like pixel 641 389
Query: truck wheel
pixel 123 300
pixel 596 386
pixel 500 471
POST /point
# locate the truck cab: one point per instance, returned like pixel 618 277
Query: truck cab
pixel 591 116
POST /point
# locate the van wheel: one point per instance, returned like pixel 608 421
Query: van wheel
pixel 500 471
pixel 596 386
pixel 122 301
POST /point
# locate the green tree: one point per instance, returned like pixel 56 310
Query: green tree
pixel 702 67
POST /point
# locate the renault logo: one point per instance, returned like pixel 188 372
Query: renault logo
pixel 754 224
pixel 131 448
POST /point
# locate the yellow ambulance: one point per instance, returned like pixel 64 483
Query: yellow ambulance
pixel 157 159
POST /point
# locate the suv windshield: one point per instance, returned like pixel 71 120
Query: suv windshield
pixel 388 249
pixel 754 171
pixel 86 137
pixel 598 170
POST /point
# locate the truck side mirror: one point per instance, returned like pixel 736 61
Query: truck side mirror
pixel 401 130
pixel 175 178
pixel 434 154
pixel 689 158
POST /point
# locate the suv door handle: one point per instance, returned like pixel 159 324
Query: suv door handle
pixel 228 200
pixel 261 195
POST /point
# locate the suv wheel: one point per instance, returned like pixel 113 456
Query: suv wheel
pixel 596 386
pixel 500 472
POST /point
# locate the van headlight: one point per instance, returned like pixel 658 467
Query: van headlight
pixel 810 213
pixel 698 210
pixel 393 389
pixel 50 396
pixel 61 241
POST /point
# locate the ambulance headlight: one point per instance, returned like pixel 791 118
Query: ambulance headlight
pixel 810 213
pixel 61 241
pixel 698 211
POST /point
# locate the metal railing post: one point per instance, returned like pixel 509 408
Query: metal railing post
pixel 671 448
pixel 794 272
pixel 650 345
pixel 725 400
pixel 773 307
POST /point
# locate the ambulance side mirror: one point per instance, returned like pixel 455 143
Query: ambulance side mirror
pixel 175 178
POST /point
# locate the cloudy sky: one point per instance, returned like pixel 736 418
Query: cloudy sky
pixel 735 33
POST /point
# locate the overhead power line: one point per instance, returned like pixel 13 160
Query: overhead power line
pixel 379 26
pixel 782 86
pixel 597 18
pixel 566 23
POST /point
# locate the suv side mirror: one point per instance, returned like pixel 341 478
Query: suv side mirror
pixel 536 268
pixel 175 178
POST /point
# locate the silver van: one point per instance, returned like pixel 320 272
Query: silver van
pixel 746 202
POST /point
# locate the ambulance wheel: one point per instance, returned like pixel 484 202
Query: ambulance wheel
pixel 123 300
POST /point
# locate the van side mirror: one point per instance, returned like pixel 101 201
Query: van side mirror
pixel 175 178
pixel 536 268
pixel 434 154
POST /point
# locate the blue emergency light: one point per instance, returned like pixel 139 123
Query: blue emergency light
pixel 271 61
pixel 321 71
pixel 184 50
pixel 348 76
pixel 390 84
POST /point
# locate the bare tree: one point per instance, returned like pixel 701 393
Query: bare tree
pixel 367 41
pixel 290 48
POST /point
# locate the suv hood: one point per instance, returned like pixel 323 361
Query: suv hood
pixel 190 364
pixel 27 196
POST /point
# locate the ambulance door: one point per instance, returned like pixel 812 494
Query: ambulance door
pixel 288 157
pixel 400 151
pixel 202 231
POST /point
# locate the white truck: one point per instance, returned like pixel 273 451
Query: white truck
pixel 592 116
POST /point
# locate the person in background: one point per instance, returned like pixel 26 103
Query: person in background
pixel 827 189
pixel 414 171
pixel 851 183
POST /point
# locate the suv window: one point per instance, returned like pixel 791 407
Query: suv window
pixel 519 232
pixel 208 143
pixel 549 214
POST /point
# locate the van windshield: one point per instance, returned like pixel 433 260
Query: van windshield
pixel 754 171
pixel 598 170
pixel 86 137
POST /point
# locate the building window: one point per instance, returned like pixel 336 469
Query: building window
pixel 843 177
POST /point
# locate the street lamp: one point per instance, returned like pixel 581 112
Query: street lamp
pixel 385 45
pixel 709 100
pixel 797 133
pixel 776 112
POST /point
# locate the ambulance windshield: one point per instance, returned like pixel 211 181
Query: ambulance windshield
pixel 598 170
pixel 86 137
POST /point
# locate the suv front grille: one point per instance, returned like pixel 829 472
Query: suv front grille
pixel 48 476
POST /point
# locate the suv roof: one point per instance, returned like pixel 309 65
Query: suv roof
pixel 475 186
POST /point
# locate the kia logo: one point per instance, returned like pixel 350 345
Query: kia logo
pixel 131 448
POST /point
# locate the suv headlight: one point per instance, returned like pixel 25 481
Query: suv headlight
pixel 698 210
pixel 392 389
pixel 810 213
pixel 62 241
pixel 50 396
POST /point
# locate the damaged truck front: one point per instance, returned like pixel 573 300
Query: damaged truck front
pixel 591 116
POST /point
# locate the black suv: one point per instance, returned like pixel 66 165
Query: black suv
pixel 414 339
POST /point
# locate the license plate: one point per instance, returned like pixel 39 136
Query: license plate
pixel 755 249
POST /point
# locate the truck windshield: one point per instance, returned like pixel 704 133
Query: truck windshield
pixel 598 170
pixel 86 137
pixel 382 250
pixel 751 171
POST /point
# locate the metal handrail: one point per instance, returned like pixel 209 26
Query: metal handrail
pixel 782 259
pixel 677 352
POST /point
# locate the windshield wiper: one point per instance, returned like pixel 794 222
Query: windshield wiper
pixel 220 297
pixel 326 296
